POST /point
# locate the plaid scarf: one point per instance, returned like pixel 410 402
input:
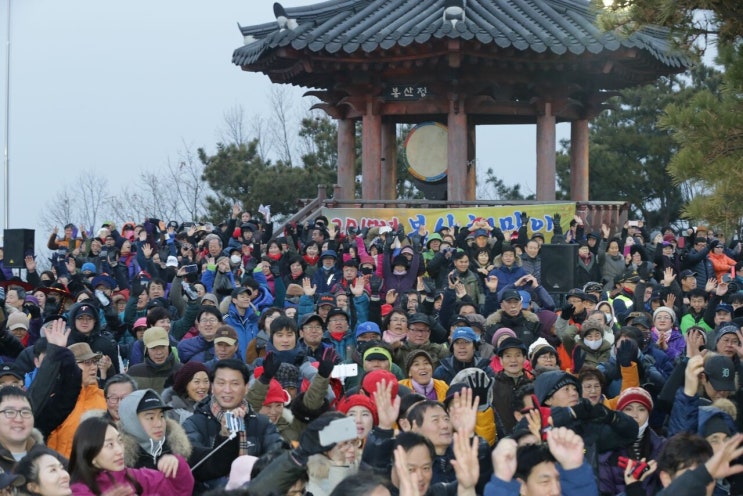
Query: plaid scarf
pixel 218 412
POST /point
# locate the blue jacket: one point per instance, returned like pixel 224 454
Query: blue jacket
pixel 246 325
pixel 576 481
pixel 689 415
pixel 326 279
pixel 197 349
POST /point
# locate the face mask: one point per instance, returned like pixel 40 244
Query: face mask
pixel 235 259
pixel 608 318
pixel 367 270
pixel 594 345
pixel 399 272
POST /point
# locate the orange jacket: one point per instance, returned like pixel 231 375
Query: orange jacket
pixel 721 263
pixel 439 386
pixel 90 398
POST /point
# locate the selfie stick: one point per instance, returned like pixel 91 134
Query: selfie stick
pixel 232 436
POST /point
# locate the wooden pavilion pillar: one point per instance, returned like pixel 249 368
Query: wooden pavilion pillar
pixel 456 184
pixel 546 153
pixel 371 153
pixel 346 159
pixel 579 160
pixel 471 192
pixel 389 161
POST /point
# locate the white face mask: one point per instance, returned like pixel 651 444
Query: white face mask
pixel 235 259
pixel 609 318
pixel 594 345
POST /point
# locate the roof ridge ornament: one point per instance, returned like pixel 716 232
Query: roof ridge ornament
pixel 285 22
pixel 454 11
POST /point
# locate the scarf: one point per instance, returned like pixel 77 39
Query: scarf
pixel 427 392
pixel 275 257
pixel 218 412
pixel 390 337
pixel 311 260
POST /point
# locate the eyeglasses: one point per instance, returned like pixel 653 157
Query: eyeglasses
pixel 336 320
pixel 312 328
pixel 11 413
pixel 90 361
pixel 209 321
pixel 663 317
pixel 419 329
pixel 114 399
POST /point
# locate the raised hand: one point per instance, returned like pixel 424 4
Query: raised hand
pixel 357 289
pixel 30 263
pixel 71 265
pixel 491 282
pixel 409 481
pixel 695 340
pixel 147 249
pixel 670 300
pixel 57 333
pixel 463 412
pixel 504 459
pixel 694 368
pixel 308 287
pixel 668 276
pixel 566 446
pixel 388 409
pixel 466 464
pixel 460 290
pixel 711 285
pixel 390 297
pixel 605 231
pixel 723 464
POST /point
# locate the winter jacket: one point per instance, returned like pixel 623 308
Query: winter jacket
pixel 577 481
pixel 151 376
pixel 90 398
pixel 197 349
pixel 583 355
pixel 176 443
pixel 153 482
pixel 611 477
pixel 586 272
pixel 99 341
pixel 182 408
pixel 507 275
pixel 698 262
pixel 440 387
pixel 7 461
pixel 246 325
pixel 437 352
pixel 503 394
pixel 203 430
pixel 526 325
pixel 610 265
pixel 691 414
pixel 449 367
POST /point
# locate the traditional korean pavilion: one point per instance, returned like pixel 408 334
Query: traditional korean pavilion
pixel 460 63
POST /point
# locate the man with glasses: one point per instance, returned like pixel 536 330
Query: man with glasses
pixel 16 426
pixel 418 337
pixel 311 335
pixel 90 398
pixel 117 388
pixel 201 348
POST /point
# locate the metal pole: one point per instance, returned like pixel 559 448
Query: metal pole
pixel 6 213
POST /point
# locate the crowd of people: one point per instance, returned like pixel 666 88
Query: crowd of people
pixel 183 358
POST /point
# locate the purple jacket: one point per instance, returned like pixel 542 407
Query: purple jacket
pixel 676 344
pixel 152 481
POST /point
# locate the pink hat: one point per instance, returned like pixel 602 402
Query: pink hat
pixel 503 331
pixel 240 471
pixel 140 322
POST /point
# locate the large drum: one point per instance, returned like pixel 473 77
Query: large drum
pixel 426 151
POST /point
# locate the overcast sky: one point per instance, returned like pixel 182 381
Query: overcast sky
pixel 120 86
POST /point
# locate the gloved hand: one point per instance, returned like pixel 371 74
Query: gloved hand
pixel 309 442
pixel 524 218
pixel 567 311
pixel 325 367
pixel 557 229
pixel 375 284
pixel 33 310
pixel 603 414
pixel 626 352
pixel 481 385
pixel 583 410
pixel 270 367
pixel 714 244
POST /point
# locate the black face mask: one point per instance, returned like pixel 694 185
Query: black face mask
pixel 367 271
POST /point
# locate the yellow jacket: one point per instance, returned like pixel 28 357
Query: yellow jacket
pixel 439 386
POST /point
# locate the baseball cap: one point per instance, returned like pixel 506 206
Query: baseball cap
pixel 326 299
pixel 310 317
pixel 226 334
pixel 511 294
pixel 151 401
pixel 16 320
pixel 328 253
pixel 155 336
pixel 140 322
pixel 377 353
pixel 366 327
pixel 10 369
pixel 525 298
pixel 86 310
pixel 464 333
pixel 630 276
pixel 337 311
pixel 171 262
pixel 720 372
pixel 417 318
pixel 724 307
pixel 687 273
pixel 577 292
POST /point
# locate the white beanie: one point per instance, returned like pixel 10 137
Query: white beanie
pixel 667 310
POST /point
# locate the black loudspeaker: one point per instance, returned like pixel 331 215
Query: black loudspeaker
pixel 558 267
pixel 18 243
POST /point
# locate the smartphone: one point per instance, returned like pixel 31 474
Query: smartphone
pixel 191 269
pixel 338 431
pixel 345 370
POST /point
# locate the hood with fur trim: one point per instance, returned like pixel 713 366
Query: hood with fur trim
pixel 175 439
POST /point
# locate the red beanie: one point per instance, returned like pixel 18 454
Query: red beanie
pixel 276 394
pixel 369 384
pixel 348 402
pixel 635 395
